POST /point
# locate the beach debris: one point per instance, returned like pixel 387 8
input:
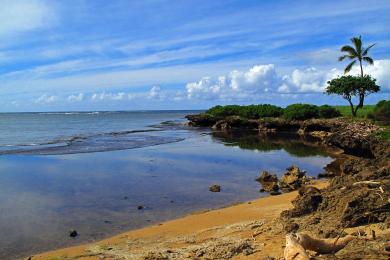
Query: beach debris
pixel 323 246
pixel 294 250
pixel 292 179
pixel 140 207
pixel 215 188
pixel 73 233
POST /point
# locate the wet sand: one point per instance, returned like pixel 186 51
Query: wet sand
pixel 227 226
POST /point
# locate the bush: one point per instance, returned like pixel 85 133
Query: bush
pixel 224 111
pixel 381 112
pixel 301 112
pixel 250 112
pixel 327 111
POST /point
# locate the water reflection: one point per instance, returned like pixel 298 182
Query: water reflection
pixel 293 144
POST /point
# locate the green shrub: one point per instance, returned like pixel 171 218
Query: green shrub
pixel 301 112
pixel 250 112
pixel 327 111
pixel 223 111
pixel 381 112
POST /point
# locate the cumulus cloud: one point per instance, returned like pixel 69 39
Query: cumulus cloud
pixel 109 96
pixel 76 98
pixel 261 79
pixel 155 93
pixel 46 99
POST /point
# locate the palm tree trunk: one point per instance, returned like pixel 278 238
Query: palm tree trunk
pixel 361 68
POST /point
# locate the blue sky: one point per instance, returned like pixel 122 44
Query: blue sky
pixel 126 55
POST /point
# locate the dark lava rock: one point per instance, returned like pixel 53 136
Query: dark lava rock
pixel 215 188
pixel 73 233
pixel 201 120
pixel 235 122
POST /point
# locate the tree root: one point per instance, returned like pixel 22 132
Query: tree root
pixel 323 246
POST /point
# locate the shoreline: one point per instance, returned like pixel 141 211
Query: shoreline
pixel 205 224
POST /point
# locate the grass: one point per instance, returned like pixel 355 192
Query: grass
pixel 361 113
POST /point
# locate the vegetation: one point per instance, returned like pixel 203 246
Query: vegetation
pixel 356 53
pixel 300 112
pixel 381 112
pixel 327 111
pixel 362 113
pixel 351 86
pixel 294 111
pixel 250 112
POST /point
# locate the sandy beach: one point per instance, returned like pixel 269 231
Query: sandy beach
pixel 223 229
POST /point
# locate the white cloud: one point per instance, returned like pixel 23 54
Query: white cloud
pixel 380 71
pixel 46 99
pixel 155 93
pixel 261 79
pixel 76 98
pixel 20 16
pixel 109 96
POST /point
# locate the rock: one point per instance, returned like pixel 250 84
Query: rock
pixel 292 179
pixel 140 207
pixel 275 192
pixel 269 182
pixel 266 177
pixel 326 175
pixel 291 227
pixel 307 202
pixel 215 188
pixel 73 233
pixel 201 120
pixel 235 122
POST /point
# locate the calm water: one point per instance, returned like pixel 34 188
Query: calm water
pixel 90 171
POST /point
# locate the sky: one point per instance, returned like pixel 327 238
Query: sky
pixel 79 55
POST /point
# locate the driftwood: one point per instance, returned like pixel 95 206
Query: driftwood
pixel 294 250
pixel 373 183
pixel 323 246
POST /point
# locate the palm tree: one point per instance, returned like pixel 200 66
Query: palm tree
pixel 356 53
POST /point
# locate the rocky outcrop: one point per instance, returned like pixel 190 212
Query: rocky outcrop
pixel 235 123
pixel 292 179
pixel 201 120
pixel 307 202
pixel 269 182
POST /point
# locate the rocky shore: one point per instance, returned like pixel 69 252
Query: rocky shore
pixel 345 217
pixel 357 197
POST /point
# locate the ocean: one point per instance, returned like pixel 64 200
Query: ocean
pixel 90 171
